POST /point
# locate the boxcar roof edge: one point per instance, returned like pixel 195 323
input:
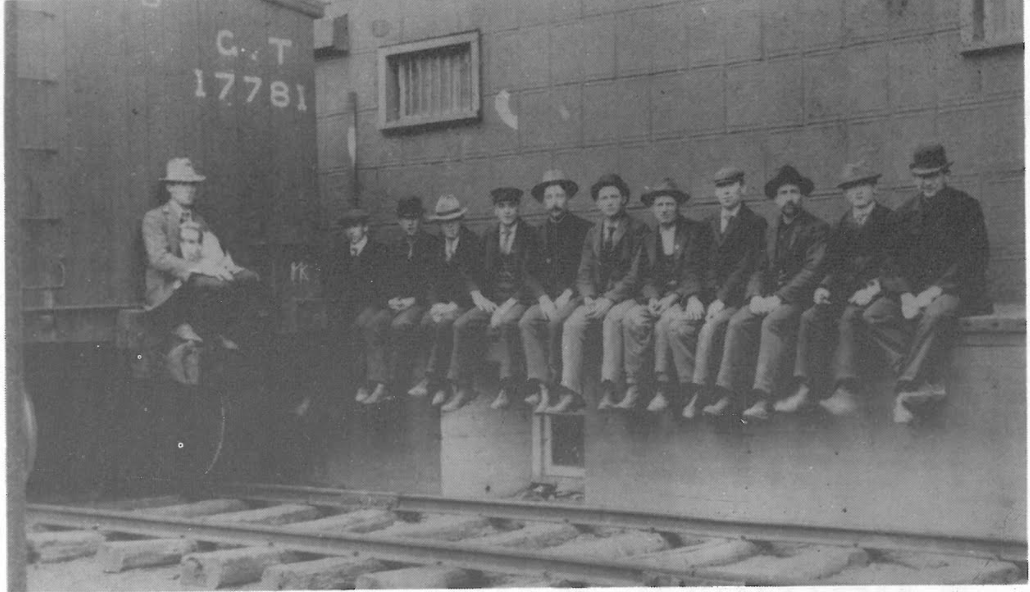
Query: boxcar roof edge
pixel 312 8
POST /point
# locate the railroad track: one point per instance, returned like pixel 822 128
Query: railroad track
pixel 307 537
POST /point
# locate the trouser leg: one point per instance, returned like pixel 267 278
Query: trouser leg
pixel 534 327
pixel 739 351
pixel 574 337
pixel 682 336
pixel 612 342
pixel 710 344
pixel 850 339
pixel 512 360
pixel 934 333
pixel 778 343
pixel 664 366
pixel 443 342
pixel 375 329
pixel 638 339
pixel 815 339
pixel 469 344
pixel 404 339
pixel 554 332
pixel 889 330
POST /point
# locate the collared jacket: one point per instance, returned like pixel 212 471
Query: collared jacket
pixel 792 265
pixel 734 256
pixel 689 259
pixel 561 248
pixel 410 275
pixel 525 250
pixel 352 282
pixel 166 269
pixel 622 273
pixel 855 254
pixel 942 242
pixel 460 276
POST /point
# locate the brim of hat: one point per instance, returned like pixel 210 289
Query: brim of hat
pixel 870 179
pixel 649 197
pixel 448 217
pixel 727 181
pixel 570 188
pixel 928 171
pixel 196 179
pixel 804 184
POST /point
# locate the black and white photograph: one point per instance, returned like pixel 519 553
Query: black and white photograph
pixel 432 294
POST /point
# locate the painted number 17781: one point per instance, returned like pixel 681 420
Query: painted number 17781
pixel 279 93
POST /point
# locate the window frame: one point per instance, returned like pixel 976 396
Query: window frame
pixel 543 467
pixel 385 54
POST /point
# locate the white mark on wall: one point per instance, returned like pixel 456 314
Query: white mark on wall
pixel 565 115
pixel 504 110
pixel 352 143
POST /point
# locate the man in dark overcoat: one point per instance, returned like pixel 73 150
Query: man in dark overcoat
pixel 778 292
pixel 831 330
pixel 936 272
pixel 561 246
pixel 738 243
pixel 672 262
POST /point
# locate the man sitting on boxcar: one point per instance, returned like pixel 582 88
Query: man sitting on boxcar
pixel 936 272
pixel 672 261
pixel 561 245
pixel 354 288
pixel 197 297
pixel 607 280
pixel 829 338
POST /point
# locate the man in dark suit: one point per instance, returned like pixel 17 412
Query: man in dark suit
pixel 738 243
pixel 829 338
pixel 354 285
pixel 191 295
pixel 459 271
pixel 672 259
pixel 561 246
pixel 779 291
pixel 506 289
pixel 607 280
pixel 410 262
pixel 936 272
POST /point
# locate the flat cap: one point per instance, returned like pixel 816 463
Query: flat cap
pixel 857 173
pixel 506 194
pixel 728 175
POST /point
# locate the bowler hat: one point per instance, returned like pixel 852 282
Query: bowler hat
pixel 410 207
pixel 928 159
pixel 506 194
pixel 788 175
pixel 664 187
pixel 728 175
pixel 554 177
pixel 448 208
pixel 857 173
pixel 180 170
pixel 609 180
pixel 353 217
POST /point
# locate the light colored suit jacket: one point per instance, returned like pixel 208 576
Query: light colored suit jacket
pixel 166 269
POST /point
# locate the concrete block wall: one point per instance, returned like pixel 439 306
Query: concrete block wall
pixel 651 88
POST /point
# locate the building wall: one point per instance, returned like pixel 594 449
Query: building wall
pixel 652 88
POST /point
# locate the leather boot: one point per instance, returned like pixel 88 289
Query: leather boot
pixel 545 399
pixel 567 403
pixel 758 411
pixel 660 402
pixel 441 395
pixel 901 412
pixel 421 389
pixel 460 399
pixel 378 394
pixel 718 408
pixel 362 395
pixel 690 409
pixel 842 402
pixel 503 400
pixel 630 399
pixel 796 402
pixel 607 397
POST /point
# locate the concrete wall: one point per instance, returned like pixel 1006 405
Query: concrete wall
pixel 651 88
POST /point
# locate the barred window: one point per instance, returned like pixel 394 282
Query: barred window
pixel 991 24
pixel 429 82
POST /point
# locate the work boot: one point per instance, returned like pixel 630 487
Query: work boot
pixel 842 402
pixel 718 408
pixel 362 395
pixel 607 398
pixel 460 399
pixel 796 402
pixel 545 399
pixel 503 400
pixel 421 389
pixel 901 412
pixel 629 400
pixel 567 403
pixel 690 409
pixel 758 411
pixel 441 395
pixel 378 394
pixel 660 402
pixel 227 343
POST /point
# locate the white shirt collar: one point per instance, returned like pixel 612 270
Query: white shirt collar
pixel 360 246
pixel 731 213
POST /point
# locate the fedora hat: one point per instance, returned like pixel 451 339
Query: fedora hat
pixel 410 207
pixel 857 173
pixel 928 159
pixel 180 170
pixel 554 177
pixel 448 208
pixel 728 175
pixel 788 175
pixel 609 180
pixel 664 187
pixel 353 217
pixel 506 194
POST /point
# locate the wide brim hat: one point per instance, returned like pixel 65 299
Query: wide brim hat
pixel 609 180
pixel 788 175
pixel 353 217
pixel 857 174
pixel 410 207
pixel 728 175
pixel 448 208
pixel 664 187
pixel 180 170
pixel 506 194
pixel 554 177
pixel 929 159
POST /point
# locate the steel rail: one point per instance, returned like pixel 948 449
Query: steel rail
pixel 1003 549
pixel 397 549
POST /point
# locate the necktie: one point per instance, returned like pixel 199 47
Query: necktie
pixel 354 251
pixel 609 237
pixel 186 216
pixel 450 249
pixel 506 241
pixel 725 222
pixel 862 216
pixel 411 249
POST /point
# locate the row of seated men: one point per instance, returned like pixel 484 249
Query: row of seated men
pixel 730 315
